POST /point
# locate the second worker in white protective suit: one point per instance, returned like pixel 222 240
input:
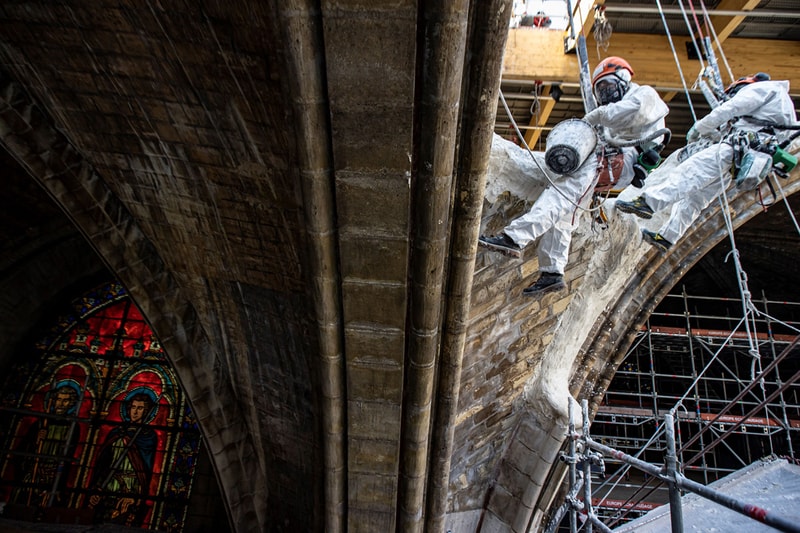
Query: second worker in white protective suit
pixel 628 112
pixel 756 107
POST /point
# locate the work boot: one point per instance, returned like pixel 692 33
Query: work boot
pixel 656 240
pixel 501 243
pixel 547 282
pixel 637 207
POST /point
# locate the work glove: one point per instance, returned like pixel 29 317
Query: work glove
pixel 692 135
pixel 593 117
pixel 639 175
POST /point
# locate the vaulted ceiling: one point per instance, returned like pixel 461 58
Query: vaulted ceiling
pixel 292 194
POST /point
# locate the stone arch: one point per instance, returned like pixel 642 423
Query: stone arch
pixel 657 275
pixel 614 334
pixel 603 316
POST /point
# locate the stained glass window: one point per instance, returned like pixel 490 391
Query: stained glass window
pixel 94 426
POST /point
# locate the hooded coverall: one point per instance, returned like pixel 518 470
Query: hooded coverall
pixel 552 218
pixel 691 185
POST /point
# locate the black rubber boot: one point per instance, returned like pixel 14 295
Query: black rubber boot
pixel 501 243
pixel 547 282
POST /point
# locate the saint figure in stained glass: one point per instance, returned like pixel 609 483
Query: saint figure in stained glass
pixel 125 463
pixel 47 448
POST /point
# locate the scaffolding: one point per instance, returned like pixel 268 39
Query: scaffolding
pixel 734 396
pixel 585 451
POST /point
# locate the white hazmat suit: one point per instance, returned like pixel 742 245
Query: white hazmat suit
pixel 553 217
pixel 691 185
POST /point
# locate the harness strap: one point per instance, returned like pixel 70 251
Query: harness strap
pixel 769 123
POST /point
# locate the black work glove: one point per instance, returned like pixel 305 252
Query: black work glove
pixel 639 175
pixel 649 159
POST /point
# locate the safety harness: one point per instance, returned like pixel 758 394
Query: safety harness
pixel 759 155
pixel 611 161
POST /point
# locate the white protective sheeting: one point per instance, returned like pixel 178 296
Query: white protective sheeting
pixel 772 484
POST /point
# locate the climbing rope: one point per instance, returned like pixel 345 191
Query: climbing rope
pixel 748 307
pixel 711 29
pixel 741 275
pixel 536 105
pixel 749 310
pixel 692 35
pixel 536 162
pixel 677 61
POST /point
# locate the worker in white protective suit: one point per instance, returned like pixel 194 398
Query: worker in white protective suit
pixel 628 112
pixel 752 116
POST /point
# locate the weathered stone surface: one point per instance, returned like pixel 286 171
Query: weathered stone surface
pixel 253 190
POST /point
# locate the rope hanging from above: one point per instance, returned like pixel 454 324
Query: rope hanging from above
pixel 677 61
pixel 713 32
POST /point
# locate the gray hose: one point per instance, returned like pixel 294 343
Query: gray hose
pixel 619 143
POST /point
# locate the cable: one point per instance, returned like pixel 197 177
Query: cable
pixel 619 143
pixel 788 207
pixel 716 40
pixel 530 152
pixel 677 61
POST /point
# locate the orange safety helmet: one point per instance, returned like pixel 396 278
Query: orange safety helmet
pixel 613 65
pixel 736 86
pixel 610 80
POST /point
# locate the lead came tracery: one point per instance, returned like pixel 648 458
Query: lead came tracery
pixel 99 430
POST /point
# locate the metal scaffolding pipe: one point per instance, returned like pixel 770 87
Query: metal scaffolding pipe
pixel 741 395
pixel 749 510
pixel 771 424
pixel 768 399
pixel 587 467
pixel 718 12
pixel 573 475
pixel 671 466
pixel 644 466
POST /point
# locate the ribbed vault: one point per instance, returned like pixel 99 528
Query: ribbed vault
pixel 292 194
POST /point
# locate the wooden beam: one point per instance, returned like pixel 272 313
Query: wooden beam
pixel 539 55
pixel 546 106
pixel 668 96
pixel 724 25
pixel 583 18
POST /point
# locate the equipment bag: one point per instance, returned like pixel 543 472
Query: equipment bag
pixel 609 169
